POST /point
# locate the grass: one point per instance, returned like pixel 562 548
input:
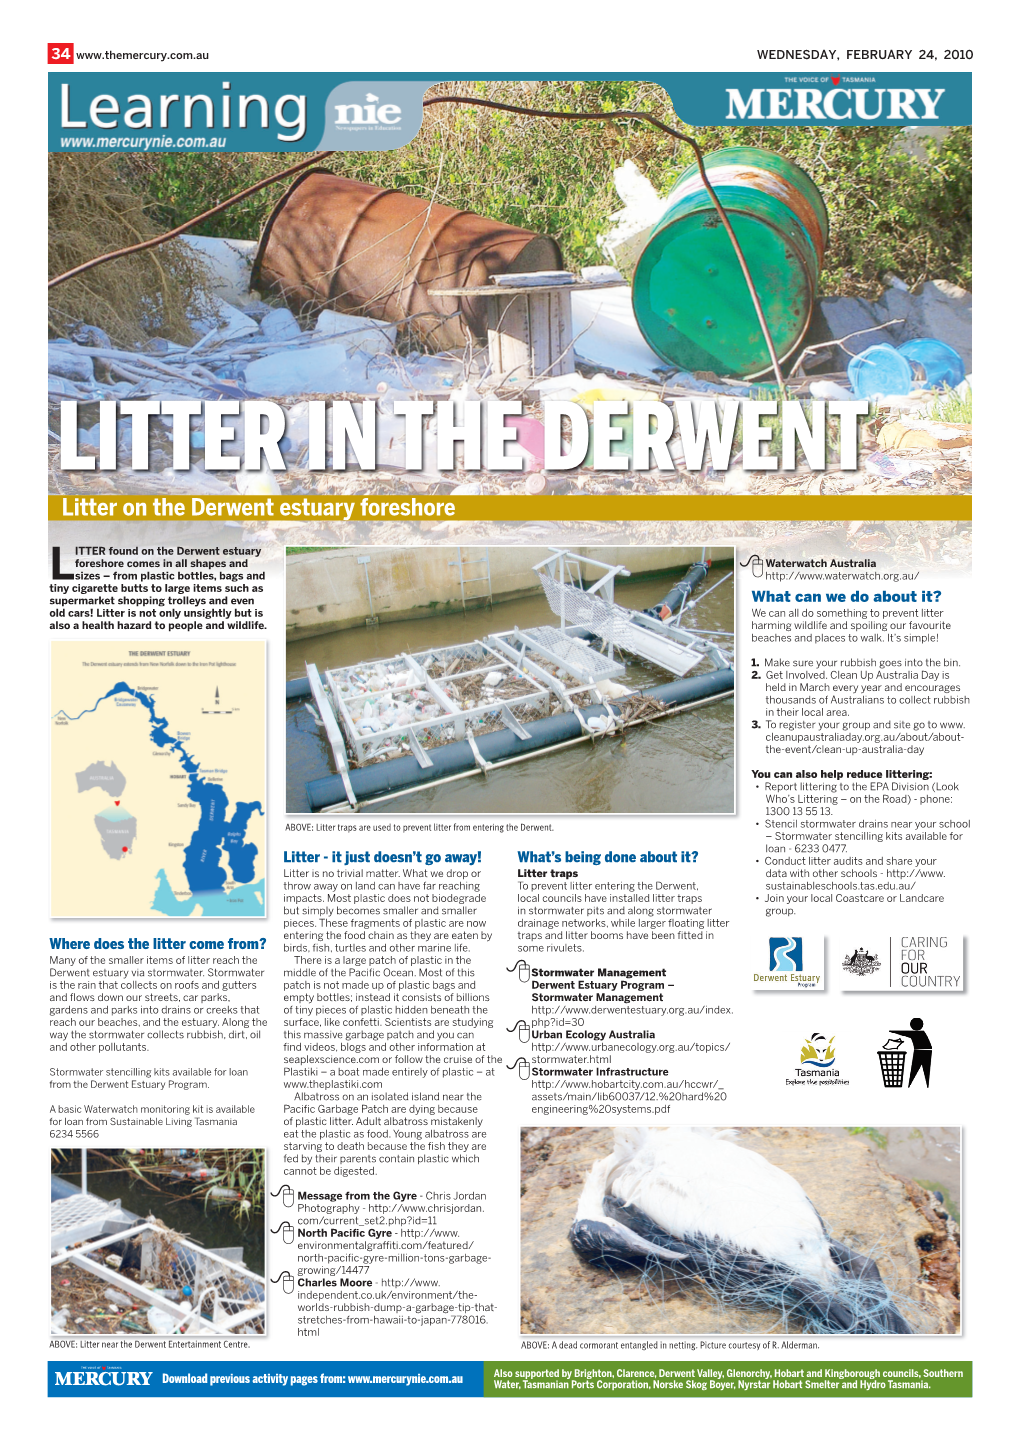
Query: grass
pixel 888 212
pixel 952 408
pixel 879 1139
pixel 94 207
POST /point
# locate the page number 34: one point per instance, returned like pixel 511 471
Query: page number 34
pixel 60 54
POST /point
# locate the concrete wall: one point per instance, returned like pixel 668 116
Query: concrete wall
pixel 326 589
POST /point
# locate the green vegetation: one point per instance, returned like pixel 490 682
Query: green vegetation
pixel 96 205
pixel 952 408
pixel 877 1137
pixel 889 212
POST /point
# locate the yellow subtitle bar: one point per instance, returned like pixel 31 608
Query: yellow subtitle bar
pixel 283 509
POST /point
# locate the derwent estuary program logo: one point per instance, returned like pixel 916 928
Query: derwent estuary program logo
pixel 786 956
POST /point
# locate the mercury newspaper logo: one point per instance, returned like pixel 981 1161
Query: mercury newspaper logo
pixel 102 1378
pixel 848 101
pixel 371 115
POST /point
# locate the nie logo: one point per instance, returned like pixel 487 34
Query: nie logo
pixel 786 956
pixel 371 113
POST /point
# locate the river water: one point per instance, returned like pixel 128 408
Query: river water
pixel 682 765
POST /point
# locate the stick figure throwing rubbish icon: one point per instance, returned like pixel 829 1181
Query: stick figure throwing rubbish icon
pixel 921 1059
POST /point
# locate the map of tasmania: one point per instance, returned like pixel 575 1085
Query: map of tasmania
pixel 158 780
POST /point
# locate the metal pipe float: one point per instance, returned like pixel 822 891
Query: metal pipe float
pixel 334 243
pixel 681 591
pixel 390 776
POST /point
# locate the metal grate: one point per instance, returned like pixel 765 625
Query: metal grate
pixel 573 653
pixel 589 611
pixel 673 649
pixel 79 1217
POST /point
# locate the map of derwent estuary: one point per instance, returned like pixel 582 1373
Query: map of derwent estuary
pixel 158 780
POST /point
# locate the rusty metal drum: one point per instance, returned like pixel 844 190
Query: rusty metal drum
pixel 334 243
pixel 691 301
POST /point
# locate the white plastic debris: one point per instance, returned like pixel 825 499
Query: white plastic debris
pixel 280 325
pixel 901 469
pixel 828 389
pixel 642 209
pixel 227 320
pixel 161 1322
pixel 606 333
pixel 361 333
pixel 228 265
pixel 263 481
pixel 319 369
pixel 603 274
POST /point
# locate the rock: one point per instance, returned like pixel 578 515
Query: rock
pixel 845 317
pixel 280 325
pixel 945 313
pixel 861 1205
pixel 68 364
pixel 942 311
pixel 93 337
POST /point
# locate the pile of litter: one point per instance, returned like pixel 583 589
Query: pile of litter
pixel 248 350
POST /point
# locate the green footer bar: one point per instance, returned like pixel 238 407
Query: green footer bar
pixel 852 1379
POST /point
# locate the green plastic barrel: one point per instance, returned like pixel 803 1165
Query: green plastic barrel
pixel 691 300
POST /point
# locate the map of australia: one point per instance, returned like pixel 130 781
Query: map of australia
pixel 158 780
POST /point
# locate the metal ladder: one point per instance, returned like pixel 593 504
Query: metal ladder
pixel 478 579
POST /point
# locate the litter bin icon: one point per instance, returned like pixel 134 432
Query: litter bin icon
pixel 893 1063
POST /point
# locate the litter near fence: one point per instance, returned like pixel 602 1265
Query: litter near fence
pixel 362 293
pixel 114 1272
